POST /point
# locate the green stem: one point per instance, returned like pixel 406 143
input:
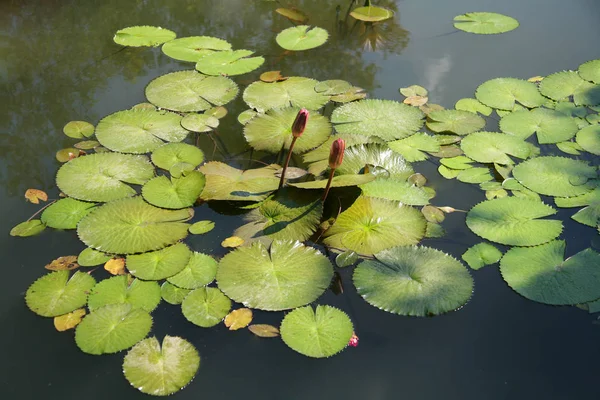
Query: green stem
pixel 287 161
pixel 328 184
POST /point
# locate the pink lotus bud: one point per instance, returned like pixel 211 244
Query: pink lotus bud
pixel 300 123
pixel 353 340
pixel 336 155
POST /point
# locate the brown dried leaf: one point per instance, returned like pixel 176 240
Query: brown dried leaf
pixel 264 330
pixel 272 76
pixel 238 319
pixel 69 321
pixel 35 195
pixel 416 101
pixel 63 263
pixel 115 266
pixel 232 241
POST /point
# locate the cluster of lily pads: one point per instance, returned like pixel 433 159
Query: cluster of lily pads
pixel 132 184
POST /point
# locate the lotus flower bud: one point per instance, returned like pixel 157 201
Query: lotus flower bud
pixel 336 155
pixel 353 340
pixel 300 123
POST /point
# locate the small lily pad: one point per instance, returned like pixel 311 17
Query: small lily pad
pixel 589 139
pixel 201 227
pixel 199 122
pixel 372 13
pixel 568 83
pixel 78 129
pixel 205 306
pixel 173 294
pixel 117 290
pixel 295 91
pixel 138 36
pixel 346 259
pixel 229 62
pixel 493 147
pixel 90 257
pixel 485 23
pixel 551 126
pixel 590 71
pixel 160 264
pixel 503 93
pixel 170 154
pixel 227 183
pixel 413 148
pixel 200 270
pixel 28 228
pixel 194 47
pixel 66 213
pixel 455 121
pixel 174 193
pixel 301 37
pixel 481 254
pixel 474 106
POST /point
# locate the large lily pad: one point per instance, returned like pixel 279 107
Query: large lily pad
pixel 455 121
pixel 132 226
pixel 371 225
pixel 493 147
pixel 160 264
pixel 187 91
pixel 589 139
pixel 175 192
pixel 200 270
pixel 273 131
pixel 411 280
pixel 55 294
pixel 227 183
pixel 551 126
pixel 138 36
pixel 286 276
pixel 568 83
pixel 170 154
pixel 485 23
pixel 555 176
pixel 194 47
pixel 514 221
pixel 542 274
pixel 503 93
pixel 386 119
pixel 103 176
pixel 320 333
pixel 295 91
pixel 229 62
pixel 301 37
pixel 66 213
pixel 117 290
pixel 205 306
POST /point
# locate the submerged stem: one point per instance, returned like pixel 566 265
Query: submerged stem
pixel 328 184
pixel 287 161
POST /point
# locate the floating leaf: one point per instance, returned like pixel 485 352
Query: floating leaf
pixel 541 274
pixel 65 263
pixel 413 90
pixel 569 148
pixel 238 319
pixel 199 122
pixel 381 161
pixel 590 71
pixel 272 76
pixel 78 129
pixel 104 176
pixel 217 112
pixel 90 257
pixel 295 91
pixel 117 290
pixel 589 216
pixel 398 190
pixel 416 101
pixel 372 13
pixel 458 162
pixel 332 87
pixel 474 106
pixel 28 228
pixel 292 14
pixel 229 62
pixel 503 93
pixel 352 94
pixel 371 225
pixel 413 147
pixel 589 139
pixel 115 266
pixel 455 121
pixel 69 321
pixel 301 37
pixel 160 264
pixel 485 23
pixel 205 306
pixel 68 154
pixel 568 83
pixel 555 176
pixel 131 225
pixel 317 333
pixel 170 154
pixel 411 280
pixel 346 259
pixel 433 214
pixel 514 221
pixel 137 36
pixel 273 131
pixel 551 126
pixel 233 241
pixel 434 230
pixel 246 116
pixel 66 213
pixel 35 195
pixel 174 193
pixel 112 328
pixel 87 144
pixel 200 270
pixel 286 276
pixel 55 294
pixel 187 91
pixel 161 371
pixel 194 47
pixel 481 254
pixel 227 183
pixel 201 227
pixel 493 147
pixel 264 330
pixel 386 119
pixel 173 294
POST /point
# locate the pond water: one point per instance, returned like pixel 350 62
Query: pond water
pixel 59 64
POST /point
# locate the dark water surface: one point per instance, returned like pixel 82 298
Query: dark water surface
pixel 59 64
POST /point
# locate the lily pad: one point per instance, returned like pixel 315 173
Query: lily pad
pixel 371 225
pixel 103 176
pixel 318 333
pixel 455 121
pixel 589 139
pixel 205 306
pixel 346 259
pixel 286 276
pixel 160 264
pixel 413 148
pixel 542 274
pixel 372 13
pixel 174 193
pixel 332 87
pixel 170 154
pixel 481 254
pixel 411 280
pixel 131 225
pixel 201 227
pixel 138 36
pixel 568 83
pixel 398 190
pixel 78 129
pixel 117 290
pixel 555 176
pixel 503 93
pixel 514 221
pixel 199 122
pixel 295 91
pixel 229 62
pixel 194 47
pixel 56 294
pixel 590 71
pixel 485 23
pixel 173 294
pixel 112 328
pixel 376 159
pixel 227 183
pixel 66 213
pixel 200 270
pixel 474 106
pixel 551 126
pixel 493 147
pixel 187 91
pixel 386 119
pixel 301 37
pixel 90 257
pixel 273 131
pixel 161 371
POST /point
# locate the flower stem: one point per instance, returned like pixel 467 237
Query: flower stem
pixel 287 161
pixel 328 184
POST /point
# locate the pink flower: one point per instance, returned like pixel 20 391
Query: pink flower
pixel 353 340
pixel 300 123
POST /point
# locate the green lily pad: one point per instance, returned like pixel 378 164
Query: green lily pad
pixel 205 306
pixel 160 264
pixel 138 36
pixel 475 175
pixel 161 371
pixel 372 13
pixel 273 131
pixel 493 147
pixel 173 294
pixel 194 47
pixel 116 290
pixel 503 93
pixel 481 254
pixel 168 155
pixel 103 176
pixel 413 148
pixel 227 183
pixel 78 129
pixel 352 94
pixel 555 176
pixel 87 144
pixel 591 197
pixel 112 328
pixel 589 215
pixel 371 225
pixel 377 159
pixel 201 227
pixel 318 333
pixel 458 162
pixel 398 190
pixel 568 83
pixel 199 122
pixel 589 139
pixel 551 126
pixel 570 148
pixel 246 116
pixel 200 270
pixel 187 91
pixel 346 259
pixel 455 121
pixel 174 193
pixel 90 257
pixel 66 213
pixel 295 91
pixel 131 225
pixel 286 276
pixel 301 37
pixel 485 23
pixel 229 62
pixel 590 71
pixel 411 280
pixel 514 221
pixel 474 106
pixel 386 119
pixel 542 274
pixel 337 181
pixel 332 87
pixel 56 294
